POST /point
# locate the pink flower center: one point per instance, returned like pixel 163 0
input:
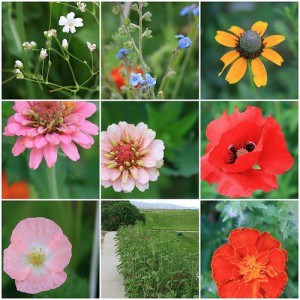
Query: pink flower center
pixel 36 256
pixel 49 114
pixel 125 155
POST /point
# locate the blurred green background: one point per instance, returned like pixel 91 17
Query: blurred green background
pixel 27 21
pixel 166 22
pixel 286 114
pixel 279 218
pixel 76 180
pixel 282 18
pixel 176 124
pixel 76 220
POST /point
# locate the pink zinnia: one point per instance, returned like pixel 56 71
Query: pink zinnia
pixel 130 157
pixel 43 126
pixel 37 256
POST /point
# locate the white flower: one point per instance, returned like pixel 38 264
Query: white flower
pixel 18 64
pixel 91 47
pixel 29 46
pixel 50 34
pixel 65 44
pixel 81 6
pixel 33 44
pixel 70 23
pixel 43 54
pixel 19 74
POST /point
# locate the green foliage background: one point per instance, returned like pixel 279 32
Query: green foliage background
pixel 286 114
pixel 76 180
pixel 218 219
pixel 282 18
pixel 176 124
pixel 76 220
pixel 166 22
pixel 27 21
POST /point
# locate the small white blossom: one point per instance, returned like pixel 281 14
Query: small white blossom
pixel 18 64
pixel 81 6
pixel 33 44
pixel 70 22
pixel 19 74
pixel 43 54
pixel 50 34
pixel 29 46
pixel 91 47
pixel 65 44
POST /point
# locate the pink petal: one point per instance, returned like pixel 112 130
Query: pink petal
pixel 40 281
pixel 52 138
pixel 12 128
pixel 65 138
pixel 117 185
pixel 36 156
pixel 142 187
pixel 153 174
pixel 32 132
pixel 19 147
pixel 59 252
pixel 85 109
pixel 50 154
pixel 114 174
pixel 114 133
pixel 125 176
pixel 143 176
pixel 128 186
pixel 41 130
pixel 149 162
pixel 72 119
pixel 134 172
pixel 21 106
pixel 70 151
pixel 40 141
pixel 106 183
pixel 14 261
pixel 89 128
pixel 82 139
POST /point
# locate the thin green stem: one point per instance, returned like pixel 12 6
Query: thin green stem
pixel 43 64
pixel 52 183
pixel 140 27
pixel 50 15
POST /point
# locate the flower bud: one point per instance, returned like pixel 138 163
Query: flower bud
pixel 18 64
pixel 147 16
pixel 91 47
pixel 33 44
pixel 65 44
pixel 43 54
pixel 19 74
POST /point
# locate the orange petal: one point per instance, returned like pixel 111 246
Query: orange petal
pixel 228 289
pixel 273 40
pixel 249 290
pixel 236 30
pixel 275 286
pixel 226 39
pixel 260 27
pixel 221 269
pixel 259 72
pixel 228 58
pixel 266 242
pixel 277 260
pixel 273 56
pixel 237 71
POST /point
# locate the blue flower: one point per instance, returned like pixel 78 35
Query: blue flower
pixel 196 11
pixel 183 41
pixel 135 79
pixel 186 10
pixel 122 53
pixel 150 80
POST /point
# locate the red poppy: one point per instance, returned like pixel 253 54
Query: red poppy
pixel 119 80
pixel 245 153
pixel 251 265
pixel 18 190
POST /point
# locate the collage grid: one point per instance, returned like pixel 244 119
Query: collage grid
pixel 192 189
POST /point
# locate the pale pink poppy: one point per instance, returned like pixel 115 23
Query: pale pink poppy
pixel 131 156
pixel 37 255
pixel 43 126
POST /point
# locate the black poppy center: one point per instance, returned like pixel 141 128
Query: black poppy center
pixel 235 152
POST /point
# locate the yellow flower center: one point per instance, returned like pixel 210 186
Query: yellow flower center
pixel 36 256
pixel 251 269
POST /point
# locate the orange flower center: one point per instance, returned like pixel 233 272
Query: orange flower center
pixel 49 114
pixel 251 269
pixel 125 155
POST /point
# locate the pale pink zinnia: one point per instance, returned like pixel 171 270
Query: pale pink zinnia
pixel 37 255
pixel 130 157
pixel 43 126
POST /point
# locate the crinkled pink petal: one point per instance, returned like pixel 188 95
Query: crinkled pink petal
pixel 72 119
pixel 149 162
pixel 153 174
pixel 52 138
pixel 89 128
pixel 21 106
pixel 129 185
pixel 143 177
pixel 59 253
pixel 117 185
pixel 14 261
pixel 82 139
pixel 70 150
pixel 40 141
pixel 35 159
pixel 85 109
pixel 65 138
pixel 12 129
pixel 142 187
pixel 50 154
pixel 113 133
pixel 19 147
pixel 134 172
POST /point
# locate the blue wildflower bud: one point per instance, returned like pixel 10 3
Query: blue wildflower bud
pixel 183 42
pixel 196 11
pixel 135 79
pixel 122 53
pixel 187 9
pixel 150 80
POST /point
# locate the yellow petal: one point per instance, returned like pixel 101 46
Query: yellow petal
pixel 273 56
pixel 236 30
pixel 228 58
pixel 237 71
pixel 260 27
pixel 273 40
pixel 259 72
pixel 226 39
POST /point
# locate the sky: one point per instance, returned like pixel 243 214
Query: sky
pixel 187 203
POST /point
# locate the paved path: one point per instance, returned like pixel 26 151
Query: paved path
pixel 111 281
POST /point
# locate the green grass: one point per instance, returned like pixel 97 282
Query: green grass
pixel 172 219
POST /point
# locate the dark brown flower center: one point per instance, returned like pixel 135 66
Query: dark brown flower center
pixel 238 151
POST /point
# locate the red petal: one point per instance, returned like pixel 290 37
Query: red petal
pixel 266 242
pixel 275 158
pixel 249 290
pixel 221 269
pixel 277 260
pixel 244 237
pixel 228 289
pixel 216 128
pixel 275 286
pixel 263 257
pixel 226 250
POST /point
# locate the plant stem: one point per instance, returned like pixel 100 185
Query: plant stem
pixel 52 183
pixel 140 26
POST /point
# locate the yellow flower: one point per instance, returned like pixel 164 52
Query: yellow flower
pixel 249 45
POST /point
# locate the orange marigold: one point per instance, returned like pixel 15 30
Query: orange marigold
pixel 251 265
pixel 18 190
